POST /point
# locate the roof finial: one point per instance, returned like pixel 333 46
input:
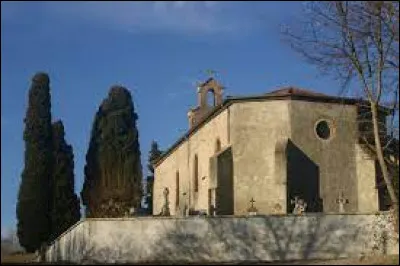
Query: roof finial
pixel 211 72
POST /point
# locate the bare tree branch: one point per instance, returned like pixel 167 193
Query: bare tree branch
pixel 359 39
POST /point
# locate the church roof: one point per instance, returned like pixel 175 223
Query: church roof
pixel 286 93
pixel 295 91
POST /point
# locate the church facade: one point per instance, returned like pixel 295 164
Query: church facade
pixel 265 151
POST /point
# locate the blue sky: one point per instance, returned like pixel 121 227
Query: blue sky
pixel 158 50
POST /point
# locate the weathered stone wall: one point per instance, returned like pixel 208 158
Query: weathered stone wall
pixel 202 143
pixel 275 151
pixel 164 176
pixel 366 181
pixel 225 239
pixel 337 159
pixel 256 129
pixel 71 244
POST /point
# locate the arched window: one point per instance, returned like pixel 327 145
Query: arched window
pixel 217 146
pixel 177 188
pixel 196 173
pixel 210 98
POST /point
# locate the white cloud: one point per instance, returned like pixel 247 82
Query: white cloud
pixel 201 18
pixel 205 17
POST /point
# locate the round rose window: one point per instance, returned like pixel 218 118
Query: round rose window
pixel 323 129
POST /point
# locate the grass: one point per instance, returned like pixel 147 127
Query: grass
pixel 17 258
pixel 27 258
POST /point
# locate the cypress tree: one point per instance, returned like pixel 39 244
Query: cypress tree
pixel 65 208
pixel 91 169
pixel 154 154
pixel 33 202
pixel 113 170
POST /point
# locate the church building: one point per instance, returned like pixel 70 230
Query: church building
pixel 266 151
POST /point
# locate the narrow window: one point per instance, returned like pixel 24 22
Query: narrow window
pixel 217 146
pixel 177 188
pixel 196 173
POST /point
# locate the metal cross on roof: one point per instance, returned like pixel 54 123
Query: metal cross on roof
pixel 211 72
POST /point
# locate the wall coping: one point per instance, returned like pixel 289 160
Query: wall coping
pixel 197 217
pixel 232 216
pixel 227 218
pixel 66 232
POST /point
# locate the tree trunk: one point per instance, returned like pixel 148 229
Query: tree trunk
pixel 382 163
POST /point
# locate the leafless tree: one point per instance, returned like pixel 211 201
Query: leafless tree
pixel 358 41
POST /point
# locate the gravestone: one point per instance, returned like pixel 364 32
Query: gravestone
pixel 299 206
pixel 212 210
pixel 165 209
pixel 341 201
pixel 252 210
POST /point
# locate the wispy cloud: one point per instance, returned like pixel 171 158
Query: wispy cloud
pixel 211 18
pixel 205 17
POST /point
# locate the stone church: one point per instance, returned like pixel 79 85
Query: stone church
pixel 266 150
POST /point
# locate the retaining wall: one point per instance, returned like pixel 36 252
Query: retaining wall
pixel 225 239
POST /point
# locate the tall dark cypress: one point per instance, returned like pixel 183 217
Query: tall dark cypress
pixel 91 169
pixel 65 206
pixel 113 170
pixel 154 154
pixel 33 196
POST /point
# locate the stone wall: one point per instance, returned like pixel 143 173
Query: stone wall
pixel 203 144
pixel 366 181
pixel 225 239
pixel 256 129
pixel 336 156
pixel 70 246
pixel 276 156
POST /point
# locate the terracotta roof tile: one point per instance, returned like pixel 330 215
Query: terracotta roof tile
pixel 295 91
